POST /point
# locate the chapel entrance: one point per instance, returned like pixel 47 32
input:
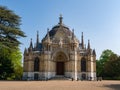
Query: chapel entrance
pixel 59 68
pixel 60 59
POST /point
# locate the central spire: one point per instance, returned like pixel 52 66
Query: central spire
pixel 60 19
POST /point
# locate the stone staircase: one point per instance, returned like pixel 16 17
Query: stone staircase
pixel 60 77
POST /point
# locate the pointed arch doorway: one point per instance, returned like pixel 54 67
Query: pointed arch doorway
pixel 60 60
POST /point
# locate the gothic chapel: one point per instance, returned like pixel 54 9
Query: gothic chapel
pixel 59 53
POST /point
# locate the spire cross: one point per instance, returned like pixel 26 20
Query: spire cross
pixel 60 19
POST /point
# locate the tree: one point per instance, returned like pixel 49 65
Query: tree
pixel 108 65
pixel 17 63
pixel 10 56
pixel 9 28
pixel 112 69
pixel 6 65
pixel 101 62
pixel 10 64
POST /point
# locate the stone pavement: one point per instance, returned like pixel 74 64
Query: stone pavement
pixel 60 85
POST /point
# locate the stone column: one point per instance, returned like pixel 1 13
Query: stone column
pixel 75 55
pixel 92 68
pixel 48 65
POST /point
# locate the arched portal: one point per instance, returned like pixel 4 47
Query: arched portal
pixel 60 60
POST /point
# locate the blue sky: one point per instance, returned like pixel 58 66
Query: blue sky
pixel 98 19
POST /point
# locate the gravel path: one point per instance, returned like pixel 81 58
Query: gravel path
pixel 59 85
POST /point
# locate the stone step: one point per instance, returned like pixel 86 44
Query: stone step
pixel 60 77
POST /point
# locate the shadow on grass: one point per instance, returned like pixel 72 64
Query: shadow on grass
pixel 113 86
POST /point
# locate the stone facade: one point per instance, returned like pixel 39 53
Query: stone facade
pixel 59 53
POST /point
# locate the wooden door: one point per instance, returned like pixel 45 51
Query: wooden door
pixel 60 68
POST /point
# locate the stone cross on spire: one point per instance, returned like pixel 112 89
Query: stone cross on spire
pixel 60 19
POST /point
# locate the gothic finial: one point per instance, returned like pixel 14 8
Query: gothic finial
pixel 25 51
pixel 94 53
pixel 73 30
pixel 47 32
pixel 72 33
pixel 48 37
pixel 82 41
pixel 60 19
pixel 85 46
pixel 31 45
pixel 37 33
pixel 37 41
pixel 88 44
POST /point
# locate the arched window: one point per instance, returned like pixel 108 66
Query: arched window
pixel 36 64
pixel 83 65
